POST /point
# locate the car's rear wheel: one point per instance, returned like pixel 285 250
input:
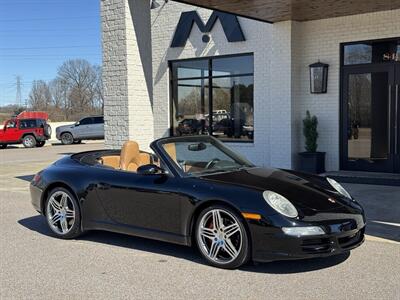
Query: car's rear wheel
pixel 222 238
pixel 67 138
pixel 63 214
pixel 29 141
pixel 3 146
pixel 40 144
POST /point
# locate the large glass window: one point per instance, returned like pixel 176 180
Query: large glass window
pixel 213 96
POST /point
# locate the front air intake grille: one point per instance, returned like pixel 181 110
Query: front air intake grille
pixel 316 245
pixel 351 240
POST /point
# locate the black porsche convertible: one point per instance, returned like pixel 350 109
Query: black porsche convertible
pixel 193 190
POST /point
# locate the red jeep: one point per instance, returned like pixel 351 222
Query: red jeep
pixel 29 128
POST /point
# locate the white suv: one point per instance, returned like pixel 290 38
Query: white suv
pixel 89 128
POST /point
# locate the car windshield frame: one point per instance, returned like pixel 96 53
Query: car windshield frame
pixel 157 147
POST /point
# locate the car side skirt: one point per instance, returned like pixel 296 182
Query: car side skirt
pixel 136 231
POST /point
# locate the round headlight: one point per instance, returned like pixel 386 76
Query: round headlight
pixel 338 187
pixel 280 204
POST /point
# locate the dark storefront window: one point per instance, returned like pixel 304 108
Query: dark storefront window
pixel 226 109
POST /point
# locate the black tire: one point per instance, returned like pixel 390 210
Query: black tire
pixel 29 141
pixel 75 230
pixel 3 146
pixel 243 255
pixel 47 130
pixel 77 141
pixel 40 144
pixel 67 138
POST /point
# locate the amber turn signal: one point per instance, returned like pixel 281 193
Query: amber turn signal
pixel 251 216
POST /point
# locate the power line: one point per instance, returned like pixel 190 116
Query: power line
pixel 57 47
pixel 52 30
pixel 72 34
pixel 39 2
pixel 49 19
pixel 50 55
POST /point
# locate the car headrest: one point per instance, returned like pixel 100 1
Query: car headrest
pixel 129 153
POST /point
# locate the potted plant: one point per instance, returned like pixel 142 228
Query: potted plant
pixel 311 160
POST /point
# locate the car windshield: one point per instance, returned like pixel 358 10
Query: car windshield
pixel 204 156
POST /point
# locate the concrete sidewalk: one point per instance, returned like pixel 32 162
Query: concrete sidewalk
pixel 382 209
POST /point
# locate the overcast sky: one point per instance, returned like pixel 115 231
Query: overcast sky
pixel 36 36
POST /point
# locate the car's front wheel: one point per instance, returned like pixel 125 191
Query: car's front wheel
pixel 222 238
pixel 63 214
pixel 29 141
pixel 67 138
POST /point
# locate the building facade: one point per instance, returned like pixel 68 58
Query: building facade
pixel 179 69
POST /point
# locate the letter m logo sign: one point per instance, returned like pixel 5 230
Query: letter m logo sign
pixel 229 22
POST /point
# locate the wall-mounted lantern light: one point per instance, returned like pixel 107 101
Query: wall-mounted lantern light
pixel 318 78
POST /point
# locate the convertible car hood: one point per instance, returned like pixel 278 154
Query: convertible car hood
pixel 303 190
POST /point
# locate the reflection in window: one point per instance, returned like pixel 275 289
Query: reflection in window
pixel 227 110
pixel 357 54
pixel 371 52
pixel 367 128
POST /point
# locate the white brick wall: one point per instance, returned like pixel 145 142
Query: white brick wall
pixel 136 51
pixel 282 53
pixel 258 37
pixel 127 72
pixel 321 40
pixel 115 75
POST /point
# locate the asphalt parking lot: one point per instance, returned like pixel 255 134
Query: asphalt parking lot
pixel 103 265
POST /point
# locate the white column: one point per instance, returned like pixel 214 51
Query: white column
pixel 127 72
pixel 281 125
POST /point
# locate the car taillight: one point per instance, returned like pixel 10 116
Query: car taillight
pixel 36 178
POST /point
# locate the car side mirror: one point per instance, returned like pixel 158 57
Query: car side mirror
pixel 150 169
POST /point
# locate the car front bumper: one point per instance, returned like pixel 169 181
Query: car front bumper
pixel 271 243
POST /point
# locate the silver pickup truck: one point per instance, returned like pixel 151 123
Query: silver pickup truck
pixel 89 128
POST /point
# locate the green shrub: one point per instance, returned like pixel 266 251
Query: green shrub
pixel 310 132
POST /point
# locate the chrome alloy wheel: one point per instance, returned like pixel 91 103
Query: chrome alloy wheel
pixel 220 236
pixel 60 212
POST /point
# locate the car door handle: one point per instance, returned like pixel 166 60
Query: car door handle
pixel 103 186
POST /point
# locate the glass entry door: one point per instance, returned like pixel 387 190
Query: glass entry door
pixel 370 117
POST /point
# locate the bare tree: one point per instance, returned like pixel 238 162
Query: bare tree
pixel 80 77
pixel 59 90
pixel 76 91
pixel 99 87
pixel 40 96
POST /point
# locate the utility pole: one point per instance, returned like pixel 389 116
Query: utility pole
pixel 18 95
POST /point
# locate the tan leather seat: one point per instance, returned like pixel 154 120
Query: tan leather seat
pixel 130 156
pixel 111 161
pixel 144 159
